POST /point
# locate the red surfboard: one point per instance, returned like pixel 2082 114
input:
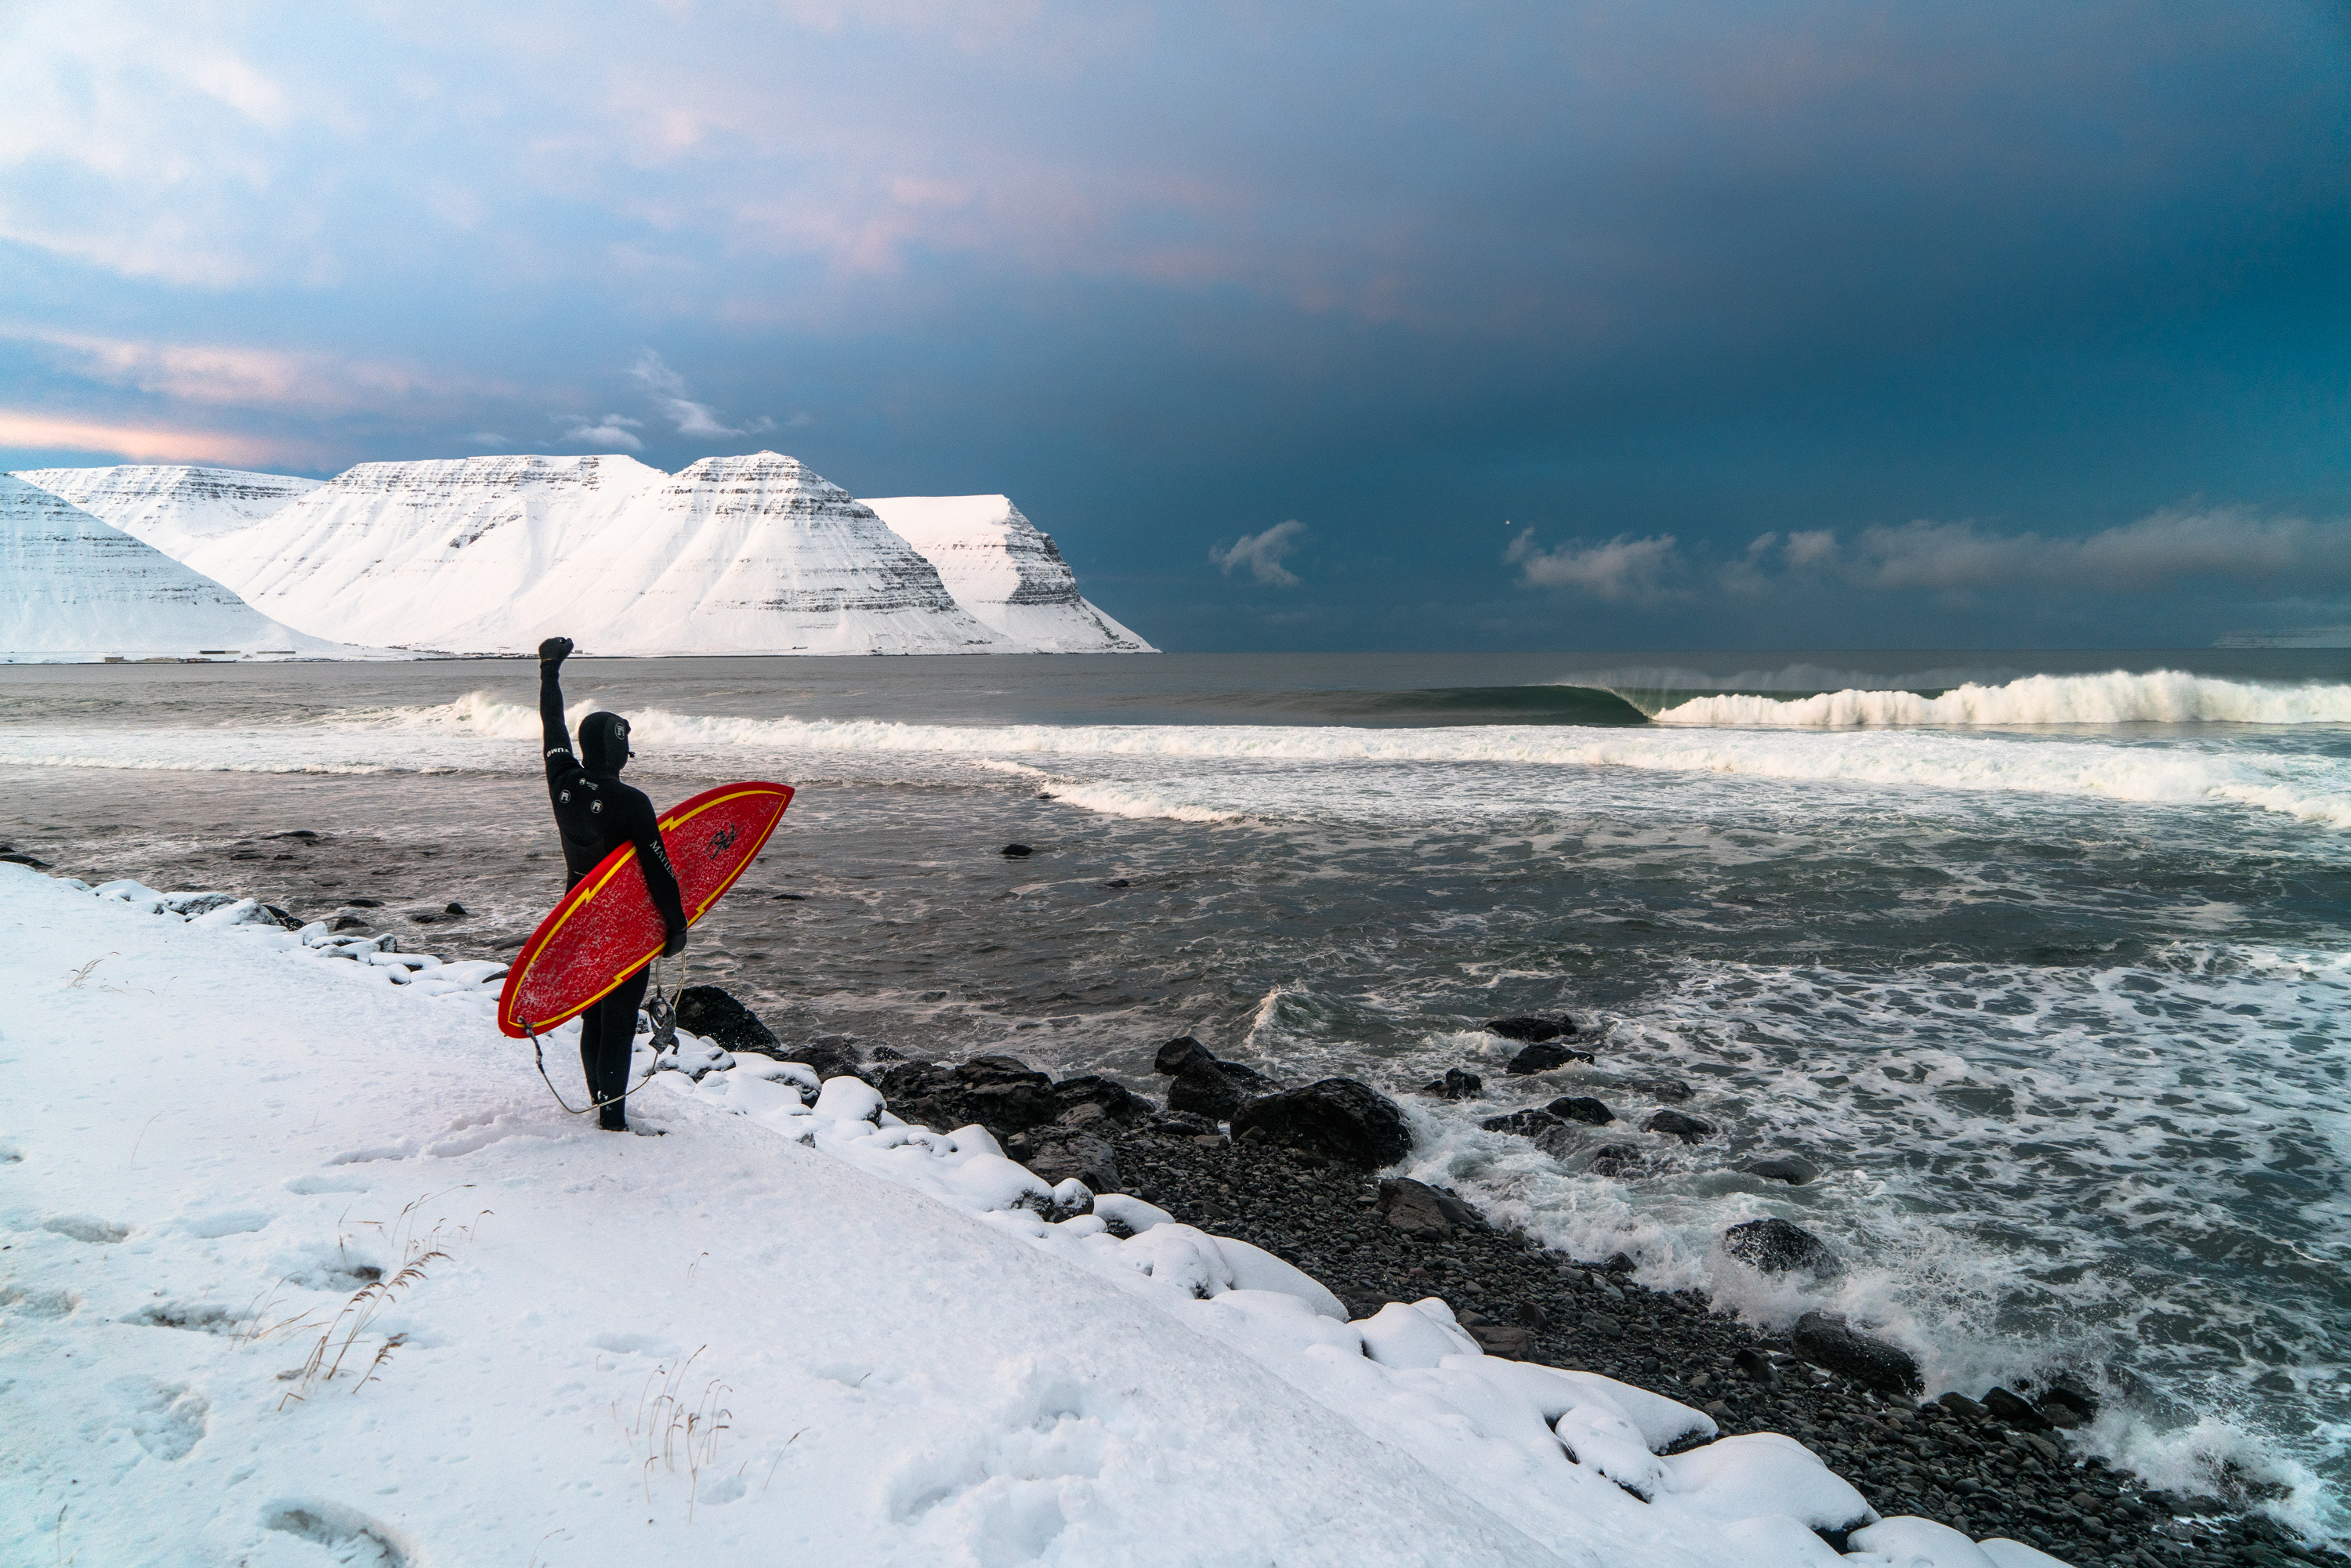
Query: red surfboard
pixel 607 928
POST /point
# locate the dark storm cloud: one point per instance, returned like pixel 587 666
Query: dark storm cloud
pixel 1179 275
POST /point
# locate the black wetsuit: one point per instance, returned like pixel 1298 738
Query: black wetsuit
pixel 596 814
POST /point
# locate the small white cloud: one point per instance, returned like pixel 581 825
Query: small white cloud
pixel 651 369
pixel 1811 546
pixel 1623 568
pixel 695 418
pixel 486 438
pixel 1263 554
pixel 691 418
pixel 799 419
pixel 612 431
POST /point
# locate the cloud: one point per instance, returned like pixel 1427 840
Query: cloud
pixel 1624 567
pixel 1263 554
pixel 2159 552
pixel 614 431
pixel 232 375
pixel 143 443
pixel 691 418
pixel 486 438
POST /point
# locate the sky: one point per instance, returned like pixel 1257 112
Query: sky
pixel 1449 325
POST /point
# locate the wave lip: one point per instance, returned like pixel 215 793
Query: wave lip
pixel 2119 696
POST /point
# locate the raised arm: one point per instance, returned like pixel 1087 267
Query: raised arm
pixel 555 737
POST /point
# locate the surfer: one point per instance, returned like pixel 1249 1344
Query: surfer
pixel 596 814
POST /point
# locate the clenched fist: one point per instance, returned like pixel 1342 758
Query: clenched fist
pixel 555 650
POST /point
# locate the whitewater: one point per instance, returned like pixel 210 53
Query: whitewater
pixel 2048 968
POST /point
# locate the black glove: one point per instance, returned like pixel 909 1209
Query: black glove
pixel 555 650
pixel 676 943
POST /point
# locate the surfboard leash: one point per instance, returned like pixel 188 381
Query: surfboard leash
pixel 663 1014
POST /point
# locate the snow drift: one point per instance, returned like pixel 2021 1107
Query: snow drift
pixel 296 1291
pixel 73 587
pixel 1002 569
pixel 173 506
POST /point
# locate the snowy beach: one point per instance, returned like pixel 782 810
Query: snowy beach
pixel 303 1259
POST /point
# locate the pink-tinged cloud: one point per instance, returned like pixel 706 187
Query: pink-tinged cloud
pixel 142 443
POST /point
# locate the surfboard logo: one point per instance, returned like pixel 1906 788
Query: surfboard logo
pixel 720 839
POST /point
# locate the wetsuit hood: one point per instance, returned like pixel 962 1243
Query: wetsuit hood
pixel 603 742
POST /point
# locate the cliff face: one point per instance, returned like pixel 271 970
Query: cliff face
pixel 1008 573
pixel 73 586
pixel 488 555
pixel 173 506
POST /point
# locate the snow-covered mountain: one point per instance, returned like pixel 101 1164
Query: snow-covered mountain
pixel 734 555
pixel 173 506
pixel 1004 570
pixel 74 587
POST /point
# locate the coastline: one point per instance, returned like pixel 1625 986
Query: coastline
pixel 1974 1473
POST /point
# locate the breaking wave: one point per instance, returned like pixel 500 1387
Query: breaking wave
pixel 2160 697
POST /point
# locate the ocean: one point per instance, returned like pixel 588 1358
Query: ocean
pixel 2043 958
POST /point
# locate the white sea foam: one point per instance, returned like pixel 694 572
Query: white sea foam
pixel 2119 696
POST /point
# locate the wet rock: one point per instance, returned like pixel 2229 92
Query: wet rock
pixel 1581 1108
pixel 1777 1247
pixel 17 857
pixel 1338 1118
pixel 888 1053
pixel 1118 881
pixel 1673 1091
pixel 1016 852
pixel 1111 1098
pixel 1788 1168
pixel 1204 1089
pixel 348 923
pixel 1960 1404
pixel 1615 1160
pixel 1005 1092
pixel 833 1056
pixel 1176 1053
pixel 2068 1402
pixel 1755 1366
pixel 2012 1410
pixel 363 903
pixel 1528 1123
pixel 1507 1340
pixel 1459 1083
pixel 716 1016
pixel 1418 1209
pixel 1827 1341
pixel 1543 1058
pixel 305 834
pixel 454 910
pixel 1531 1027
pixel 1058 1154
pixel 1672 1123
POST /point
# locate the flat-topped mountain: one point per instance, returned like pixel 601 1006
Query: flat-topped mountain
pixel 74 587
pixel 175 506
pixel 1007 572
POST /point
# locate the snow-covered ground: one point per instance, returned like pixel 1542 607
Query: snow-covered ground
pixel 303 1265
pixel 75 587
pixel 1002 569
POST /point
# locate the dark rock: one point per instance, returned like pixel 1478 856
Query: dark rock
pixel 1533 1316
pixel 349 923
pixel 1826 1340
pixel 1527 1124
pixel 1615 1159
pixel 1016 852
pixel 17 857
pixel 2068 1402
pixel 1531 1027
pixel 1755 1366
pixel 1959 1404
pixel 1337 1118
pixel 716 1016
pixel 1118 881
pixel 1777 1247
pixel 1056 1154
pixel 1183 1124
pixel 1113 1099
pixel 1418 1209
pixel 305 834
pixel 1581 1108
pixel 834 1056
pixel 2012 1410
pixel 364 903
pixel 1542 1058
pixel 1507 1340
pixel 1788 1168
pixel 1688 1129
pixel 1176 1053
pixel 1673 1091
pixel 454 908
pixel 1005 1092
pixel 1204 1089
pixel 425 916
pixel 788 898
pixel 887 1054
pixel 285 917
pixel 1459 1083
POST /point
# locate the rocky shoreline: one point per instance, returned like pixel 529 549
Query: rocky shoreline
pixel 2001 1469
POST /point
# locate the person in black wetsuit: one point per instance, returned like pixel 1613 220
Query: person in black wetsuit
pixel 596 814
